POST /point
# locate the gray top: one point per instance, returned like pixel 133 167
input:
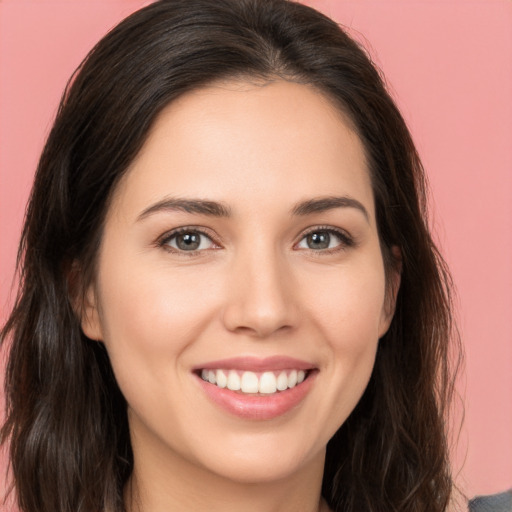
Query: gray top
pixel 495 503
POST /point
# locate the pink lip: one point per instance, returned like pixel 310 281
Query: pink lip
pixel 257 407
pixel 255 364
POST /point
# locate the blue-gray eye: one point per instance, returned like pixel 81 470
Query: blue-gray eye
pixel 321 240
pixel 189 241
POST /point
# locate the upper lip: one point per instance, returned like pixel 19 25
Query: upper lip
pixel 250 363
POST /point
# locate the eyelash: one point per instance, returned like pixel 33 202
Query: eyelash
pixel 346 241
pixel 167 237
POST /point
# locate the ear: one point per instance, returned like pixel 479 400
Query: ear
pixel 89 315
pixel 84 303
pixel 393 278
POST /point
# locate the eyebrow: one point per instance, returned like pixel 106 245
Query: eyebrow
pixel 199 206
pixel 322 204
pixel 217 209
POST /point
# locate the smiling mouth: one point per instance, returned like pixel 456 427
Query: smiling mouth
pixel 248 382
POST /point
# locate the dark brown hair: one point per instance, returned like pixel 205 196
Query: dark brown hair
pixel 66 418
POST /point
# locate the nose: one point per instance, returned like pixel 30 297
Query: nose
pixel 260 297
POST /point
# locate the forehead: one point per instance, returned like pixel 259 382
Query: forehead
pixel 237 139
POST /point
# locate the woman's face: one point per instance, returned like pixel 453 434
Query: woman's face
pixel 241 249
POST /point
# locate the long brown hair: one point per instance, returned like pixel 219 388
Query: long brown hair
pixel 66 420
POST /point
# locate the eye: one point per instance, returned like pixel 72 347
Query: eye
pixel 324 239
pixel 188 240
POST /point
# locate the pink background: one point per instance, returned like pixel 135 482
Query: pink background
pixel 449 66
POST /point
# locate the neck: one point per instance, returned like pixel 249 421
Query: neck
pixel 176 484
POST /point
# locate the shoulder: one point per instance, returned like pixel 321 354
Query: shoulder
pixel 495 503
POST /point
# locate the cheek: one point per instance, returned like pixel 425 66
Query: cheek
pixel 150 318
pixel 348 304
pixel 348 314
pixel 150 321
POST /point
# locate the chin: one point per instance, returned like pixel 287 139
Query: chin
pixel 264 461
pixel 256 471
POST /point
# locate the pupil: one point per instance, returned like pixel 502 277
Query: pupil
pixel 188 241
pixel 319 240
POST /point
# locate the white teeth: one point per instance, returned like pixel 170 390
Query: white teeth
pixel 249 382
pixel 282 381
pixel 268 383
pixel 292 379
pixel 222 380
pixel 233 381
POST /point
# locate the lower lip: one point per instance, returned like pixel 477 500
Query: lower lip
pixel 258 407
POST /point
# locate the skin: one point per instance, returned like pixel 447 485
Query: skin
pixel 253 288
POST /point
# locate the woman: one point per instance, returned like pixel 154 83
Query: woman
pixel 230 298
